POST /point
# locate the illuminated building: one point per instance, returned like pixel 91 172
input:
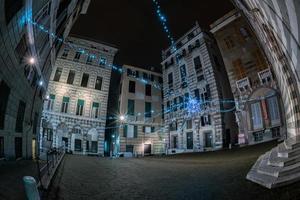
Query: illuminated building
pixel 258 103
pixel 194 86
pixel 140 109
pixel 74 115
pixel 27 54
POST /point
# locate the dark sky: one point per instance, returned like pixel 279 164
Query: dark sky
pixel 132 25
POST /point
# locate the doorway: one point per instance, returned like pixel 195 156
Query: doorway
pixel 18 147
pixel 208 139
pixel 147 149
pixel 189 140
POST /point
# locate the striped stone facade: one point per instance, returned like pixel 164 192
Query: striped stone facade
pixel 80 132
pixel 23 84
pixel 147 137
pixel 251 80
pixel 205 129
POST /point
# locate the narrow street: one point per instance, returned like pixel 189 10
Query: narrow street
pixel 211 175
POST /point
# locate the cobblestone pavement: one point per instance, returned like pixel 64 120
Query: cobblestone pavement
pixel 206 176
pixel 11 178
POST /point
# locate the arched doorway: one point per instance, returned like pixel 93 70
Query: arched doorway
pixel 62 137
pixel 92 141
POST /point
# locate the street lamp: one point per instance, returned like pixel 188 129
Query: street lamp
pixel 31 60
pixel 122 118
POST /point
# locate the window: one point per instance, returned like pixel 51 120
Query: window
pixel 148 90
pixel 265 76
pixel 257 121
pixel 90 59
pixel 273 109
pixel 98 85
pixel 57 74
pixel 11 8
pixel 65 53
pixel 130 131
pixel 20 116
pixel 130 107
pixel 168 106
pixel 152 77
pixel 244 32
pixel 48 133
pixel 170 80
pixel 148 109
pixel 78 145
pixel 183 76
pixel 5 92
pixel 84 80
pixel 229 42
pixel 181 106
pixel 65 104
pixel 145 76
pixel 102 61
pixel 243 84
pixel 95 110
pixel 1 147
pixel 186 99
pixel 77 55
pixel 189 124
pixel 175 106
pixel 50 102
pixel 71 77
pixel 79 109
pixel 205 120
pixel 173 126
pixel 258 136
pixel 198 65
pixel 77 130
pixel 132 86
pixel 239 69
pixel 22 47
pixel 197 94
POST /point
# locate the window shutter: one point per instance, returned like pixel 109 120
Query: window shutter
pixel 125 130
pixel 135 131
pixel 66 99
pixel 80 102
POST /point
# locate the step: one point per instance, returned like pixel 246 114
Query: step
pixel 281 161
pixel 292 143
pixel 283 152
pixel 261 179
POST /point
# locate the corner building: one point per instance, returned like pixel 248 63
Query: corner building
pixel 196 117
pixel 31 34
pixel 74 115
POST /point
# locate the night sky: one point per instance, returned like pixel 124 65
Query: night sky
pixel 133 27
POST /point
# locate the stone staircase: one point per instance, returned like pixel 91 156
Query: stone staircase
pixel 279 166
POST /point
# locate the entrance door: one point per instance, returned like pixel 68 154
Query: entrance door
pixel 147 149
pixel 129 148
pixel 87 146
pixel 189 140
pixel 77 145
pixel 66 141
pixel 174 141
pixel 18 147
pixel 208 139
pixel 94 147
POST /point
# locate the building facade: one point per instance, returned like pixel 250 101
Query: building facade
pixel 30 36
pixel 276 25
pixel 140 113
pixel 196 116
pixel 74 115
pixel 259 110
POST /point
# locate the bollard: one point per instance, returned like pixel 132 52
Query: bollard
pixel 31 190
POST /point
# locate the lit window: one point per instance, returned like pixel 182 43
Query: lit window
pixel 102 61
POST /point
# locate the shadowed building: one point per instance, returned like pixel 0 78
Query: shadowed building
pixel 74 115
pixel 196 116
pixel 31 34
pixel 140 105
pixel 258 103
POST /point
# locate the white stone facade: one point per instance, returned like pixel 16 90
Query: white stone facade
pixel 194 72
pixel 141 131
pixel 75 114
pixel 22 84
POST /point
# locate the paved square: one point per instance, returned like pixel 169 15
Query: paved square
pixel 211 175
